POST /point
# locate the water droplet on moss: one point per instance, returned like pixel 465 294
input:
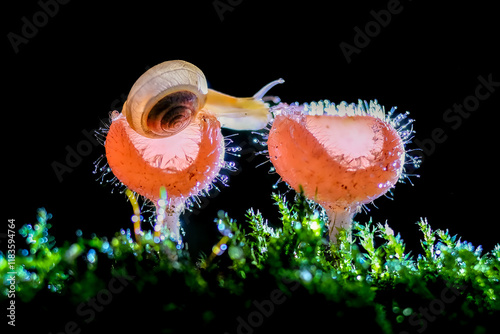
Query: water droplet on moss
pixel 235 253
pixel 305 275
pixel 91 256
pixel 407 311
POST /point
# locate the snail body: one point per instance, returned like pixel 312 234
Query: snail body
pixel 239 113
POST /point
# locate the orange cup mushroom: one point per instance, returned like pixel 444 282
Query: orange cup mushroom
pixel 167 145
pixel 341 156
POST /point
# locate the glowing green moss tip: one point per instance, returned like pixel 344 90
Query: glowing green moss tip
pixel 372 271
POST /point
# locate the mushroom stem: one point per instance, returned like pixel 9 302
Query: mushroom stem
pixel 167 218
pixel 340 218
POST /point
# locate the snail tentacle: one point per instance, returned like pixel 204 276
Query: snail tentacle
pixel 263 91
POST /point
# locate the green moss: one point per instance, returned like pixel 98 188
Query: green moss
pixel 451 283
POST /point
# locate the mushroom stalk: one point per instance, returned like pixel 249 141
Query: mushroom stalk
pixel 340 218
pixel 168 218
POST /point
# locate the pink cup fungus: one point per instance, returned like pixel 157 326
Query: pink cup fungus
pixel 145 165
pixel 341 156
pixel 167 144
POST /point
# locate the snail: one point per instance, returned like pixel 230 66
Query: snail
pixel 167 97
pixel 341 156
pixel 167 145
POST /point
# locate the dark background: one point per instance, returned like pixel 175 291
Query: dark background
pixel 83 60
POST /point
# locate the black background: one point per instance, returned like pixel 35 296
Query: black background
pixel 83 61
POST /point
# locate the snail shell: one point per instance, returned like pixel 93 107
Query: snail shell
pixel 165 99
